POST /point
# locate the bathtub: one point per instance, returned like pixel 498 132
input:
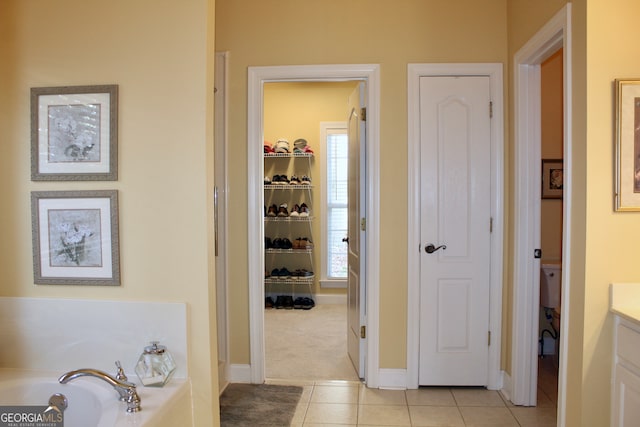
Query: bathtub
pixel 94 403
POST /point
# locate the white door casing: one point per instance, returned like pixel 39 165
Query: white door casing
pixel 356 283
pixel 220 214
pixel 552 36
pixel 496 206
pixel 257 76
pixel 455 140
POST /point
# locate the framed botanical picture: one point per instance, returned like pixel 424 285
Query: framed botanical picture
pixel 552 178
pixel 75 237
pixel 627 197
pixel 74 133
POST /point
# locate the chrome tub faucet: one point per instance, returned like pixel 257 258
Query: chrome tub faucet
pixel 125 389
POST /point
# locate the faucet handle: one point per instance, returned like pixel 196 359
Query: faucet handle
pixel 120 375
pixel 132 400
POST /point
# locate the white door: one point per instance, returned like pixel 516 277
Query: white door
pixel 356 235
pixel 455 135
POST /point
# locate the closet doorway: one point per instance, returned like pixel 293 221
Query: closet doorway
pixel 306 160
pixel 260 79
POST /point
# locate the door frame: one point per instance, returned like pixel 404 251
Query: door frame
pixel 221 112
pixel 257 76
pixel 494 72
pixel 554 35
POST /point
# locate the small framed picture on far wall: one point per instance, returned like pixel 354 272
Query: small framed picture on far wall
pixel 552 178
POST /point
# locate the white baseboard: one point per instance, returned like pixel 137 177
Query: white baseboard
pixel 331 299
pixel 239 374
pixel 392 379
pixel 326 299
pixel 335 284
pixel 497 382
pixel 507 386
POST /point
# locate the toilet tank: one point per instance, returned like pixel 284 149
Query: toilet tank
pixel 550 284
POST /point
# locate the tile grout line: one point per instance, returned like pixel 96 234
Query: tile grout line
pixel 406 400
pixel 306 411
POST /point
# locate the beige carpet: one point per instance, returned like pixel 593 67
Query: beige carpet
pixel 308 344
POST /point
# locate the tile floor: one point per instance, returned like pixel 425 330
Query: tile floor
pixel 349 403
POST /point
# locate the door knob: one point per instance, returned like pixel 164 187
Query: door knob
pixel 431 248
pixel 345 239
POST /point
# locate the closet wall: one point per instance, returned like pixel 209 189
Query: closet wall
pixel 294 110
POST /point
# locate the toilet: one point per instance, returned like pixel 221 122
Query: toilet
pixel 550 285
pixel 550 288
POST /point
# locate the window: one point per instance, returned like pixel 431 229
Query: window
pixel 335 204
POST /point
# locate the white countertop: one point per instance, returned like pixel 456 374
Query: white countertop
pixel 625 300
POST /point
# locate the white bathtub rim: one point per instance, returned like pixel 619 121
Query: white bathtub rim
pixel 155 402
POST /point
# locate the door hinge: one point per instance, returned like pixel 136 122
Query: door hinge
pixel 537 253
pixel 363 224
pixel 363 332
pixel 488 338
pixel 363 114
pixel 491 225
pixel 490 109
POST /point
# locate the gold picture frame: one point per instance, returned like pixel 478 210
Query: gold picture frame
pixel 552 178
pixel 627 193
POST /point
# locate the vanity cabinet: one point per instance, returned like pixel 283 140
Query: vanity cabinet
pixel 625 405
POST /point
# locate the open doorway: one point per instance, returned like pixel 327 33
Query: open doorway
pixel 306 203
pixel 258 77
pixel 554 36
pixel 551 225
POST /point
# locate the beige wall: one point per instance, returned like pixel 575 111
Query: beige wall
pixel 392 34
pixel 294 110
pixel 158 54
pixel 611 247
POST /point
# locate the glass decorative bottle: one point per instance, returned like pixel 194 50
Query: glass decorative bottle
pixel 155 365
